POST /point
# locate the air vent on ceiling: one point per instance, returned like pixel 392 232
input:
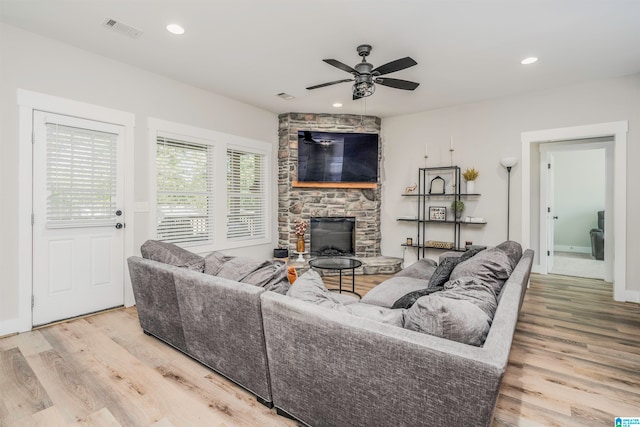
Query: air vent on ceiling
pixel 285 96
pixel 121 28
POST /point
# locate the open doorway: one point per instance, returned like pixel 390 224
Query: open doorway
pixel 573 190
pixel 616 197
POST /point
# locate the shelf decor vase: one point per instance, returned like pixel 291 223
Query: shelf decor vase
pixel 471 187
pixel 300 244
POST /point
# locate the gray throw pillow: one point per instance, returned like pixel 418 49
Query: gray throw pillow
pixel 513 250
pixel 422 269
pixel 171 254
pixel 491 266
pixel 443 271
pixel 214 261
pixel 473 290
pixel 409 299
pixel 453 319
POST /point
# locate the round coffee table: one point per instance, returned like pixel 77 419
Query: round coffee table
pixel 339 263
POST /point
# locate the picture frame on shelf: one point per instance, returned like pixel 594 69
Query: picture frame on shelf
pixel 437 213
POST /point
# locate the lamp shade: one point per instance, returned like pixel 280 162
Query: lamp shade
pixel 509 162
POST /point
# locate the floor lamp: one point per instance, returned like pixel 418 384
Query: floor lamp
pixel 508 163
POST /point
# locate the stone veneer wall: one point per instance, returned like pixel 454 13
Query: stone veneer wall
pixel 297 203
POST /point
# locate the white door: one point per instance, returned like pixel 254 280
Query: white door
pixel 78 238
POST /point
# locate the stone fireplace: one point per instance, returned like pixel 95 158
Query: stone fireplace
pixel 297 204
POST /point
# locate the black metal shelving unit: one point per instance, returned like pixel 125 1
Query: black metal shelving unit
pixel 425 175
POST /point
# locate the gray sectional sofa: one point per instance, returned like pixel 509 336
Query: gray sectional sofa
pixel 328 363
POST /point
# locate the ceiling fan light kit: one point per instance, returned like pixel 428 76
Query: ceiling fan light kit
pixel 365 77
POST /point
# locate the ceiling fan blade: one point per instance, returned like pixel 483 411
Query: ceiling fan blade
pixel 329 83
pixel 356 97
pixel 397 65
pixel 343 67
pixel 397 83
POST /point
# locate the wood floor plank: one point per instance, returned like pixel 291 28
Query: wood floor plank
pixel 100 418
pixel 21 392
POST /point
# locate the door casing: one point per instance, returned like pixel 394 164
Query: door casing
pixel 28 101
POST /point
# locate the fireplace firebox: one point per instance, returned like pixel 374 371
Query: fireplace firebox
pixel 332 236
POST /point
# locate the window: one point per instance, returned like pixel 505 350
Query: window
pixel 81 176
pixel 212 190
pixel 246 203
pixel 185 192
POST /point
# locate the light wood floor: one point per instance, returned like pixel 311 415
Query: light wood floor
pixel 575 361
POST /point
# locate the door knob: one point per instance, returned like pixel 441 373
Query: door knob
pixel 119 226
pixel 555 217
pixel 118 212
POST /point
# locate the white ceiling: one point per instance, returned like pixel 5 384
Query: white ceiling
pixel 250 50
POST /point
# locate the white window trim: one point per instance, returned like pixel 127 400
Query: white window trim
pixel 220 141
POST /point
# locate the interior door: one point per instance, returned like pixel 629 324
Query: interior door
pixel 78 238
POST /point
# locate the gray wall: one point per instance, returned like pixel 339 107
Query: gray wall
pixel 38 64
pixel 483 133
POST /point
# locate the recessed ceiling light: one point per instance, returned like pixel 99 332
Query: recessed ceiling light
pixel 175 29
pixel 529 60
pixel 337 104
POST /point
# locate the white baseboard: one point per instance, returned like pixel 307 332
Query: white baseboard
pixel 576 249
pixel 9 326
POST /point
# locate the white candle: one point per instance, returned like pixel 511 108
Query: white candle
pixel 426 150
pixel 451 144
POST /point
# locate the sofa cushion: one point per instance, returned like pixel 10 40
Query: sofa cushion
pixel 171 254
pixel 422 269
pixel 492 266
pixel 389 291
pixel 310 288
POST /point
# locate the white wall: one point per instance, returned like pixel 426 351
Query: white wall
pixel 579 186
pixel 485 132
pixel 38 64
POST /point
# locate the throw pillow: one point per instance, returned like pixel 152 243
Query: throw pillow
pixel 452 319
pixel 441 274
pixel 422 269
pixel 491 266
pixel 409 299
pixel 214 261
pixel 513 250
pixel 171 254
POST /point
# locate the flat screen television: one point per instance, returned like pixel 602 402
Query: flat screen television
pixel 337 157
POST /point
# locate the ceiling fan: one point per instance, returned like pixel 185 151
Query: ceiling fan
pixel 365 76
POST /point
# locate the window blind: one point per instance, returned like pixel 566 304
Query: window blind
pixel 246 197
pixel 185 192
pixel 81 176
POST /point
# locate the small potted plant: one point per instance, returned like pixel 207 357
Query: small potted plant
pixel 457 206
pixel 470 175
